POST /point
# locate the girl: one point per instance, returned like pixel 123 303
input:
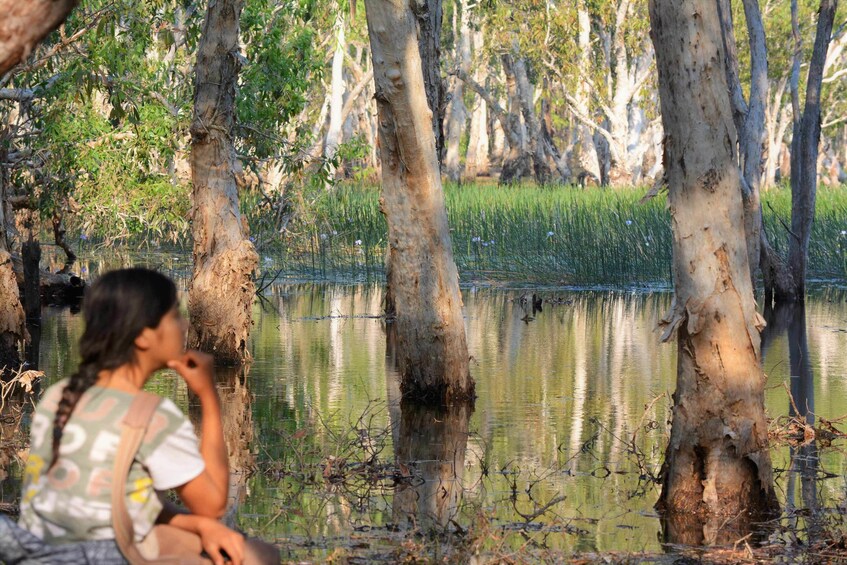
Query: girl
pixel 133 328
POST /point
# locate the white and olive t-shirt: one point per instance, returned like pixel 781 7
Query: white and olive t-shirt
pixel 72 502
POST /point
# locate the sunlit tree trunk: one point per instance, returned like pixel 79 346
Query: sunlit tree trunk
pixel 221 295
pixel 12 318
pixel 717 463
pixel 477 160
pixel 584 163
pixel 431 348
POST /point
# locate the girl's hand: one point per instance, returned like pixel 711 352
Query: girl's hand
pixel 198 371
pixel 216 537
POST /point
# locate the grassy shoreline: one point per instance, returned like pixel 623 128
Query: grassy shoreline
pixel 548 235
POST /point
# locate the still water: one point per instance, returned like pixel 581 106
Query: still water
pixel 559 452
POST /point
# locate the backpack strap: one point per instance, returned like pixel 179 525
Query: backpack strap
pixel 134 427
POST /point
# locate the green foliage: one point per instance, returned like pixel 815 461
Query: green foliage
pixel 111 121
pixel 282 61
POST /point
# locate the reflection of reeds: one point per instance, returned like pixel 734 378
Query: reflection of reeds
pixel 547 234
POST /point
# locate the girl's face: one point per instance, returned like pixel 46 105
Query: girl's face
pixel 167 340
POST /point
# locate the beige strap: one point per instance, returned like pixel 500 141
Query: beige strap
pixel 134 427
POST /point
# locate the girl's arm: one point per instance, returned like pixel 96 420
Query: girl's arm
pixel 214 536
pixel 206 494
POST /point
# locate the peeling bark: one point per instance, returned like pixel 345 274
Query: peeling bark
pixel 717 463
pixel 221 295
pixel 424 282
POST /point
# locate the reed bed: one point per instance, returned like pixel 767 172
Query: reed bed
pixel 546 235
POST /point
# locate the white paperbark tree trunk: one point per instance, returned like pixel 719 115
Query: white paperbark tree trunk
pixel 431 347
pixel 456 111
pixel 717 463
pixel 221 296
pixel 336 99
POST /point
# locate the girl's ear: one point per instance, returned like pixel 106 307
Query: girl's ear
pixel 144 340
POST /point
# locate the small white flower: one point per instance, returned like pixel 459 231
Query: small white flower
pixel 485 244
pixel 476 239
pixel 334 232
pixel 323 236
pixel 491 242
pixel 550 234
pixel 843 232
pixel 357 242
pixel 629 222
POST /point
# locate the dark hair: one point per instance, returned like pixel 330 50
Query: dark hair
pixel 117 307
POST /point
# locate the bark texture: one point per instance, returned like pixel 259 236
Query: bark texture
pixel 222 289
pixel 24 24
pixel 431 346
pixel 717 463
pixel 429 14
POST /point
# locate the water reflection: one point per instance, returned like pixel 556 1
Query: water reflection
pixel 804 458
pixel 571 402
pixel 237 416
pixel 430 456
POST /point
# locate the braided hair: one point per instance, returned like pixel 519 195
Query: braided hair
pixel 117 307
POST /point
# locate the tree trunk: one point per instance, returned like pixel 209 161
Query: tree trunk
pixel 457 113
pixel 477 158
pixel 535 147
pixel 428 14
pixel 221 295
pixel 431 347
pixel 24 24
pixel 749 118
pixel 804 155
pixel 336 103
pixel 717 464
pixel 517 164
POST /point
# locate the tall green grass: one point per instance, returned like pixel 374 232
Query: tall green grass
pixel 554 235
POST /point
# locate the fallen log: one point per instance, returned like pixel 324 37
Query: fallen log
pixel 56 289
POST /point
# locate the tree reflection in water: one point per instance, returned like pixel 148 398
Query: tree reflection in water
pixel 237 415
pixel 804 457
pixel 431 451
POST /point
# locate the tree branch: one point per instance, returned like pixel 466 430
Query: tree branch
pixel 24 24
